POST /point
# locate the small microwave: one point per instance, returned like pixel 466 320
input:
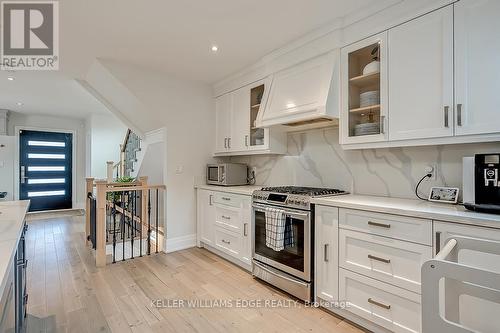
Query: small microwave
pixel 227 174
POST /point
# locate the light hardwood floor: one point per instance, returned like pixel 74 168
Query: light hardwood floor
pixel 67 293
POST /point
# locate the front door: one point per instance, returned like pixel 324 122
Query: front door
pixel 45 169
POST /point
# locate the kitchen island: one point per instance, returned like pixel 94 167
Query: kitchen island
pixel 12 264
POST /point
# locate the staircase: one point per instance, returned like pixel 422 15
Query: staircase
pixel 130 148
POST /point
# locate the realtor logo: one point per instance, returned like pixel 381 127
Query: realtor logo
pixel 30 35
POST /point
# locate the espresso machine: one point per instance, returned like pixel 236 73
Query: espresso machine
pixel 481 181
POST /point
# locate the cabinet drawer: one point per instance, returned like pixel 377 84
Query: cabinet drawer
pixel 394 308
pixel 394 226
pixel 228 242
pixel 390 260
pixel 228 199
pixel 228 217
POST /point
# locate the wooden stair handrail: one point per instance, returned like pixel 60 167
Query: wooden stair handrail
pixel 135 188
pixel 125 140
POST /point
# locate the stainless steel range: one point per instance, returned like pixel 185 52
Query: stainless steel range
pixel 290 269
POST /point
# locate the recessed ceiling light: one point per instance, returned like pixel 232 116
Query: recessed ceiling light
pixel 19 104
pixel 214 48
pixel 11 78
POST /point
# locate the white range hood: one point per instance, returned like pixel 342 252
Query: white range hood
pixel 305 95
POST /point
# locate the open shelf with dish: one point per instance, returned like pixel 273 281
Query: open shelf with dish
pixel 364 91
pixel 256 134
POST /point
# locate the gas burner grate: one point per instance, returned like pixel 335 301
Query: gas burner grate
pixel 309 191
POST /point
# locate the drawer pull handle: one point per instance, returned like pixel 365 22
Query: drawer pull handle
pixel 226 199
pixel 387 261
pixel 325 253
pixel 225 241
pixel 381 225
pixel 226 217
pixel 382 305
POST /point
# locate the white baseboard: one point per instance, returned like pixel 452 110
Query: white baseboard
pixel 180 243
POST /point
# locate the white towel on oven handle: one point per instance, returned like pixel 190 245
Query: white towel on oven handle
pixel 275 228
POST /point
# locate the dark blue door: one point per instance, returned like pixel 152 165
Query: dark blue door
pixel 45 169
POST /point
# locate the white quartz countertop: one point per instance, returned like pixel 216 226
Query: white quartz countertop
pixel 12 215
pixel 244 190
pixel 411 207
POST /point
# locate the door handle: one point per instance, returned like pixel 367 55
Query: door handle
pixel 246 140
pixel 229 143
pixel 382 305
pixel 387 261
pixel 438 242
pixel 225 143
pixel 210 198
pixel 381 225
pixel 382 124
pixel 325 253
pixel 23 174
pixel 459 114
pixel 245 229
pixel 446 116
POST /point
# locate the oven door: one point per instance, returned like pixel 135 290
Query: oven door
pixel 295 259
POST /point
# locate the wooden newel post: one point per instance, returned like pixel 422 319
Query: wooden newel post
pixel 89 189
pixel 109 171
pixel 100 250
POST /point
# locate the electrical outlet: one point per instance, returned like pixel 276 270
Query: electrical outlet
pixel 432 169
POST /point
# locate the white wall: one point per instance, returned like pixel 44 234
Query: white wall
pixel 44 122
pixel 7 165
pixel 186 110
pixel 106 134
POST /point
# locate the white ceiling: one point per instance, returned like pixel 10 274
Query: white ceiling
pixel 169 36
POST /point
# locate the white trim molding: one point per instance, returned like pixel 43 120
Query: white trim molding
pixel 180 243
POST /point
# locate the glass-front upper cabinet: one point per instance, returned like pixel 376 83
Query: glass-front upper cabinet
pixel 364 91
pixel 257 135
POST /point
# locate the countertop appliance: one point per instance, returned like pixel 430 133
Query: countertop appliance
pixel 227 174
pixel 481 183
pixel 292 268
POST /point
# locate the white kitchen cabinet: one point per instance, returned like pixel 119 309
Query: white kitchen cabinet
pixel 225 224
pixel 246 232
pixel 395 309
pixel 240 125
pixel 477 69
pixel 299 94
pixel 326 249
pixel 205 217
pixel 478 314
pixel 364 91
pixel 421 77
pixel 223 120
pixel 236 131
pixel 389 260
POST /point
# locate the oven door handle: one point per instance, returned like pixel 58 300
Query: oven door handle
pixel 277 273
pixel 262 208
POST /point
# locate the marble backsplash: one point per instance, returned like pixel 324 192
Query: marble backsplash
pixel 315 158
